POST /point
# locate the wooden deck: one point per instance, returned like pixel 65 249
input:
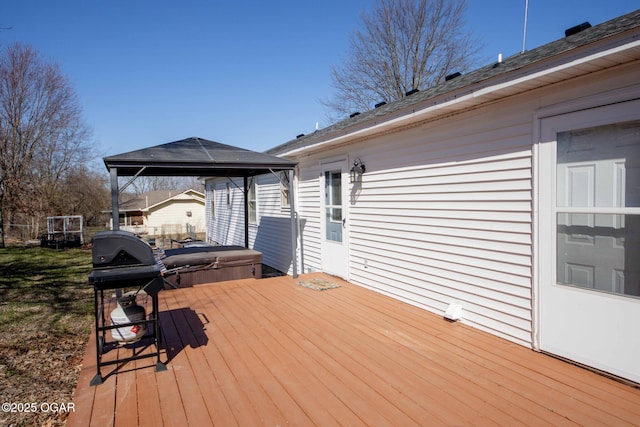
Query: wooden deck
pixel 271 352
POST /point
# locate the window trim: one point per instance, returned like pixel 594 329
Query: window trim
pixel 252 200
pixel 284 189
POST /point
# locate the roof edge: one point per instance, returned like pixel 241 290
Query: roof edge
pixel 469 91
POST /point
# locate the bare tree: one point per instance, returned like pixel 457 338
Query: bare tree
pixel 146 184
pixel 82 192
pixel 403 45
pixel 42 134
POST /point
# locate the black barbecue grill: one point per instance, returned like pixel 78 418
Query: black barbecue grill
pixel 122 260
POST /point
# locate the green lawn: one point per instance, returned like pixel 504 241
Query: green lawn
pixel 46 314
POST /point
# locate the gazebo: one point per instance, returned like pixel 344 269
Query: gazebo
pixel 200 157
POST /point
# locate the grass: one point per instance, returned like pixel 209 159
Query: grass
pixel 46 314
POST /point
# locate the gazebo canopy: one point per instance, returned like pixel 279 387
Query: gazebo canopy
pixel 200 157
pixel 195 157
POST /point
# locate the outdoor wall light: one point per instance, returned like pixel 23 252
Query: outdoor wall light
pixel 357 170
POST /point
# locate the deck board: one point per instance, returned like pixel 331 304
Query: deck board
pixel 366 380
pixel 270 352
pixel 436 385
pixel 485 379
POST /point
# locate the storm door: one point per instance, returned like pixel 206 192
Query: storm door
pixel 590 277
pixel 334 219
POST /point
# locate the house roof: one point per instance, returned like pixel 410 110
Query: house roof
pixel 146 201
pixel 521 72
pixel 195 157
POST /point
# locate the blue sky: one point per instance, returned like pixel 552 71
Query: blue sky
pixel 245 73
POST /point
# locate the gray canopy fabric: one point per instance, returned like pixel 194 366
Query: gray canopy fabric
pixel 200 157
pixel 196 157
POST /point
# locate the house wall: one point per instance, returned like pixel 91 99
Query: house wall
pixel 173 215
pixel 445 211
pixel 457 227
pixel 271 234
pixel 447 217
pixel 227 224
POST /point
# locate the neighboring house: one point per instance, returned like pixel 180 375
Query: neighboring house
pixel 169 213
pixel 512 192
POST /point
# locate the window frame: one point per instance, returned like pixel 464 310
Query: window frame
pixel 252 201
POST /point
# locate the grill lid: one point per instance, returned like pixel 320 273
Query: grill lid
pixel 118 248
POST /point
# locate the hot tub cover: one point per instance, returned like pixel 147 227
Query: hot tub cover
pixel 214 256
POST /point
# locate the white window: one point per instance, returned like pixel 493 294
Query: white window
pixel 597 187
pixel 253 202
pixel 284 190
pixel 333 205
pixel 212 200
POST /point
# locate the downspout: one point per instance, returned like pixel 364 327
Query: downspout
pixel 294 225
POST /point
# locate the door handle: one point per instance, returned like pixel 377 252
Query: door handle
pixel 344 220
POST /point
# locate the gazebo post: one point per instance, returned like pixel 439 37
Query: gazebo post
pixel 246 212
pixel 115 206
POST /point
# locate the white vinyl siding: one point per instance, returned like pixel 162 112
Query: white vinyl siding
pixel 228 226
pixel 445 233
pixel 445 210
pixel 273 232
pixel 270 234
pixel 171 217
pixel 309 205
pixel 445 218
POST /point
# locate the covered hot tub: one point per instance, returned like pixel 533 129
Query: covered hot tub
pixel 194 265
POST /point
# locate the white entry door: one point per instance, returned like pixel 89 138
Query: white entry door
pixel 334 219
pixel 590 238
